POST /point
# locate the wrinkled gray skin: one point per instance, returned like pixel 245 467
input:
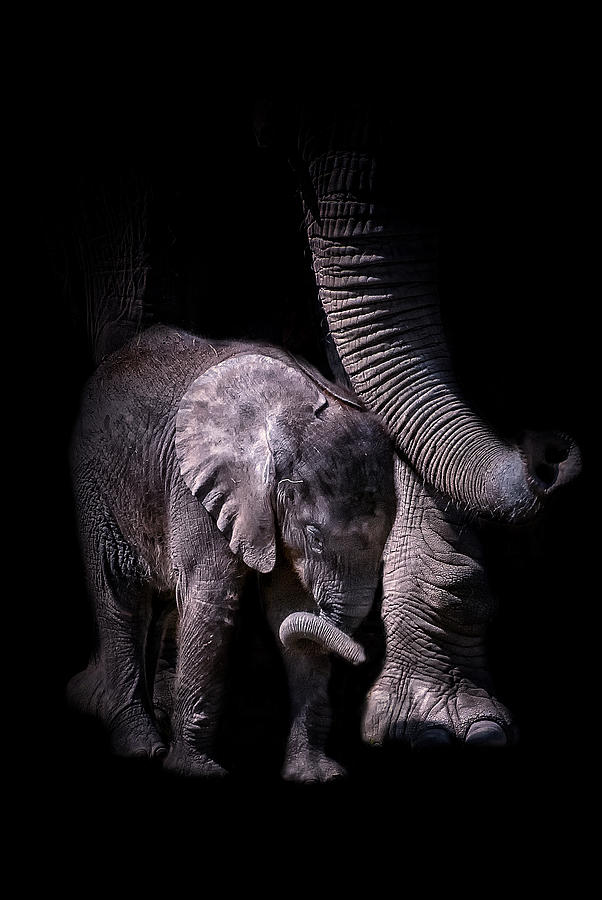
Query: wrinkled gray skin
pixel 376 273
pixel 197 465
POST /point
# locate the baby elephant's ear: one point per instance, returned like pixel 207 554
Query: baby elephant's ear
pixel 223 450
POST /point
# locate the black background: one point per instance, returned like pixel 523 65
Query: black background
pixel 502 157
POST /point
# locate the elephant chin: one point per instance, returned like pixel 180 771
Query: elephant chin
pixel 305 626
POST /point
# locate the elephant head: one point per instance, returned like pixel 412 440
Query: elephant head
pixel 375 263
pixel 292 467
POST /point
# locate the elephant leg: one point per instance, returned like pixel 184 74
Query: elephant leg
pixel 207 603
pixel 434 686
pixel 308 674
pixel 113 687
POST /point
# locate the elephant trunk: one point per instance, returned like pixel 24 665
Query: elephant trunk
pixel 305 626
pixel 377 282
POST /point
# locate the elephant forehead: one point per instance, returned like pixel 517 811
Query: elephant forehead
pixel 350 481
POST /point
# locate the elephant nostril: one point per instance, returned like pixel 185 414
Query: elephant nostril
pixel 552 460
pixel 556 453
pixel 546 473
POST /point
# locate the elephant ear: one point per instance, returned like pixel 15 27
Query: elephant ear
pixel 346 395
pixel 223 451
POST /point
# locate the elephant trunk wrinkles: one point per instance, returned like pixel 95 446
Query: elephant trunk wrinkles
pixel 307 626
pixel 385 322
pixel 377 281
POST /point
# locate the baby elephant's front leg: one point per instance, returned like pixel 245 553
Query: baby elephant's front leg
pixel 308 670
pixel 206 618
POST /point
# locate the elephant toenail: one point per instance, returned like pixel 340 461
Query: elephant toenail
pixel 431 737
pixel 159 752
pixel 486 733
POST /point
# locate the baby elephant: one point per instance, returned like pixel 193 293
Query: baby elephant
pixel 195 464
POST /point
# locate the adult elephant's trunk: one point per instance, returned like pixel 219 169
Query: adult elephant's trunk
pixel 377 281
pixel 305 626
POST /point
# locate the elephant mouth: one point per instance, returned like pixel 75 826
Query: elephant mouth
pixel 305 626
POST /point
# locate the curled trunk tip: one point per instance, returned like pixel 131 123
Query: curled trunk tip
pixel 306 626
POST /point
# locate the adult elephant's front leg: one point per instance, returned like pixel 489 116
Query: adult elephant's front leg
pixel 435 684
pixel 207 605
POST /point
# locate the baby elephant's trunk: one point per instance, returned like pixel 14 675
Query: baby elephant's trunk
pixel 304 626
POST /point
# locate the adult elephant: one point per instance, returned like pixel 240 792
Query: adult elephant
pixel 374 253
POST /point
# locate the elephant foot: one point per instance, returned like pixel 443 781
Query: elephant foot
pixel 131 730
pixel 85 691
pixel 312 767
pixel 134 735
pixel 431 712
pixel 186 761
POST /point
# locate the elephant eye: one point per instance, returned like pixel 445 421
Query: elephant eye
pixel 314 538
